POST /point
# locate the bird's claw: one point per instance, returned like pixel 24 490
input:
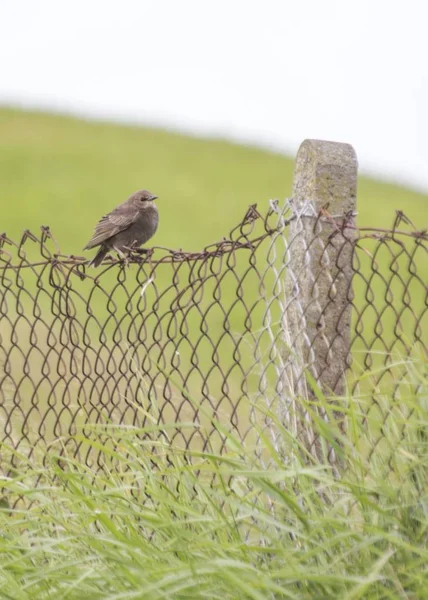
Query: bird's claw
pixel 136 250
pixel 141 250
pixel 135 253
pixel 125 261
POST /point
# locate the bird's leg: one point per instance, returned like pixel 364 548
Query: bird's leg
pixel 122 255
pixel 130 248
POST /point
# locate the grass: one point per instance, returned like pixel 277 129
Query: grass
pixel 159 526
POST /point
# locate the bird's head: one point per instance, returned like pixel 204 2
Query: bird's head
pixel 143 197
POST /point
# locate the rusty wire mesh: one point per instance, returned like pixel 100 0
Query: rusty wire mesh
pixel 188 341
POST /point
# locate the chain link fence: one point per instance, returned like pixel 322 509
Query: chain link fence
pixel 231 340
pixel 195 339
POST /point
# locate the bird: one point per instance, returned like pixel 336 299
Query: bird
pixel 125 228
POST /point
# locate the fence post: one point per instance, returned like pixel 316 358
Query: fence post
pixel 318 281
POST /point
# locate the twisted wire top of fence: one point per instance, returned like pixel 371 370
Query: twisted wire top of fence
pixel 13 253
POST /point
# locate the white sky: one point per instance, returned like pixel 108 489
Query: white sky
pixel 272 72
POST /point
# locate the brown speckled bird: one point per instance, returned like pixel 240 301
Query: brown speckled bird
pixel 127 227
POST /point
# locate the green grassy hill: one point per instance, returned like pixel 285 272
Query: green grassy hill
pixel 65 173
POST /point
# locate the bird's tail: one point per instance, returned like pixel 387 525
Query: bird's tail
pixel 99 257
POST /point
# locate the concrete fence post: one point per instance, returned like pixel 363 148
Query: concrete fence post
pixel 318 282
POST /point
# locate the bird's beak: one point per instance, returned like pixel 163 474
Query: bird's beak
pixel 153 197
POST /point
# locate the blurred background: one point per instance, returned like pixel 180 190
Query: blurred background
pixel 205 104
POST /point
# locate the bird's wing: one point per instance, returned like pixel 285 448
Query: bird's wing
pixel 118 220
